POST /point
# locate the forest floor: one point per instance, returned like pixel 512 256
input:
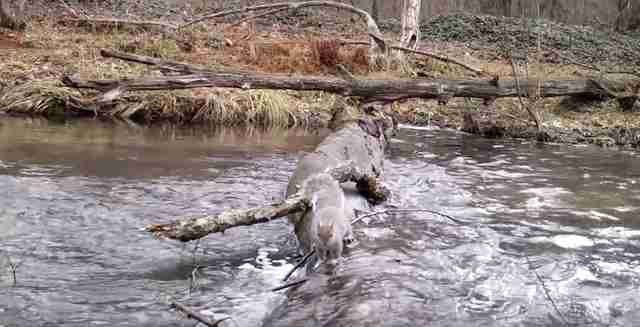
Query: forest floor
pixel 33 62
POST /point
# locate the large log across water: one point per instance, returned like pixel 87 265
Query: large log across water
pixel 353 153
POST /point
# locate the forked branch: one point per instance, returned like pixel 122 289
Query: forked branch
pixel 372 27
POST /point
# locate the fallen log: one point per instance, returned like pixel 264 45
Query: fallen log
pixel 370 90
pixel 356 151
pixel 192 228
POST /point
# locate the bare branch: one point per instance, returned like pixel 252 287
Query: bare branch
pixel 193 228
pixel 372 27
pixel 116 23
pixel 424 53
pixel 299 264
pixel 288 285
pixel 165 65
pixel 191 314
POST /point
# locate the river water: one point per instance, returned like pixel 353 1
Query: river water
pixel 550 234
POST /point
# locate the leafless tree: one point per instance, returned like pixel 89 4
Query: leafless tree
pixel 410 24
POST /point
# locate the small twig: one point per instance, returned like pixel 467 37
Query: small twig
pixel 193 315
pixel 287 285
pixel 299 264
pixel 455 220
pixel 545 289
pixel 193 281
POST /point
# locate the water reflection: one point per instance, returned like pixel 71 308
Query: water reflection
pixel 544 222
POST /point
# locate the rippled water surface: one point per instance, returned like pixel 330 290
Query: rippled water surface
pixel 550 234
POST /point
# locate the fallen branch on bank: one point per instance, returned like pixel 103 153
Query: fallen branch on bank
pixel 426 54
pixel 114 23
pixel 369 90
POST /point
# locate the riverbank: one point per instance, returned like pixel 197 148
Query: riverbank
pixel 32 63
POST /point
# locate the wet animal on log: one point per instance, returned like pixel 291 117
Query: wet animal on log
pixel 327 226
pixel 358 139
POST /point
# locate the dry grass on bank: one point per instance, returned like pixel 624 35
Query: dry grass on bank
pixel 48 50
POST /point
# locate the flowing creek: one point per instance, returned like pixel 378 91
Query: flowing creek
pixel 552 236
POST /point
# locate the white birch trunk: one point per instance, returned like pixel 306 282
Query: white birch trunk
pixel 410 24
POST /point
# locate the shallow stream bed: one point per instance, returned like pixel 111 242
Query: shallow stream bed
pixel 551 234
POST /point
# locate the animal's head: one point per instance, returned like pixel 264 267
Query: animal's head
pixel 329 243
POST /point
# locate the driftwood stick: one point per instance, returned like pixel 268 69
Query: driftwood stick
pixel 299 264
pixel 291 284
pixel 372 27
pixel 193 228
pixel 196 316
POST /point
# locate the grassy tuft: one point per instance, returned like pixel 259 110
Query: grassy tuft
pixel 37 97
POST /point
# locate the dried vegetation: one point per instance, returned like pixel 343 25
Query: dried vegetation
pixel 31 67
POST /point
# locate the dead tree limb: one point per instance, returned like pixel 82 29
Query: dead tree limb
pixel 163 65
pixel 194 315
pixel 369 90
pixel 114 23
pixel 193 228
pixel 426 54
pixel 372 27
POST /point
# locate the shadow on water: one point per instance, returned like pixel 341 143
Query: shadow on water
pixel 552 237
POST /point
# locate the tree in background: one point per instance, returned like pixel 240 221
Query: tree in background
pixel 12 14
pixel 410 24
pixel 628 15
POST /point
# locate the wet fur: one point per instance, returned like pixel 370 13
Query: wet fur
pixel 327 225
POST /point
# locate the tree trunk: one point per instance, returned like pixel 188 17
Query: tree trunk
pixel 12 18
pixel 410 24
pixel 375 11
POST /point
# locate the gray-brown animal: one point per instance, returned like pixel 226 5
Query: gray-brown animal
pixel 327 226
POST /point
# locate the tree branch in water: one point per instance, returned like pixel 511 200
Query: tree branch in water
pixel 192 228
pixel 196 316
